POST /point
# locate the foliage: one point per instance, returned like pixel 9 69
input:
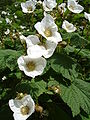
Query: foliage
pixel 67 70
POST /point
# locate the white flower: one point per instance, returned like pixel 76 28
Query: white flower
pixel 74 7
pixel 4 78
pixel 8 14
pixel 4 13
pixel 16 5
pixel 15 16
pixel 8 21
pixel 22 108
pixel 38 49
pixel 62 8
pixel 31 67
pixel 28 6
pixel 7 32
pixel 0 21
pixel 87 16
pixel 48 5
pixel 69 27
pixel 22 27
pixel 48 29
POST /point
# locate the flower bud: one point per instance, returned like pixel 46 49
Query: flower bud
pixel 20 95
pixel 55 89
pixel 39 108
pixel 63 43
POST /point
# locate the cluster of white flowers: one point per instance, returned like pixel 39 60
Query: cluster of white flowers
pixel 40 48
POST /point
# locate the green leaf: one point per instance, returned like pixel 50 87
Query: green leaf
pixel 63 64
pixel 39 87
pixel 8 58
pixel 34 88
pixel 77 96
pixel 85 117
pixel 85 53
pixel 75 39
pixel 69 49
pixel 78 41
pixel 8 43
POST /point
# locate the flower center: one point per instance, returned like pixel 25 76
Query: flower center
pixel 72 7
pixel 29 8
pixel 31 66
pixel 24 110
pixel 48 33
pixel 68 26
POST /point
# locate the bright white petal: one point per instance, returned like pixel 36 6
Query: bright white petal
pixel 87 16
pixel 32 40
pixel 51 46
pixel 48 5
pixel 35 51
pixel 74 7
pixel 25 60
pixel 39 28
pixel 56 37
pixel 21 63
pixel 19 116
pixel 25 6
pixel 69 27
pixel 14 106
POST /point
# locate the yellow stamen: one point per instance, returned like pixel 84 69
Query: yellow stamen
pixel 72 7
pixel 48 33
pixel 68 26
pixel 29 8
pixel 31 66
pixel 25 110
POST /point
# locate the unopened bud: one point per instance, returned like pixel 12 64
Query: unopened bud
pixel 20 95
pixel 55 89
pixel 63 43
pixel 39 108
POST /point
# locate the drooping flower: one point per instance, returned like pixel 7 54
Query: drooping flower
pixel 62 8
pixel 28 6
pixel 22 108
pixel 69 27
pixel 87 16
pixel 31 66
pixel 48 5
pixel 48 29
pixel 38 49
pixel 74 7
